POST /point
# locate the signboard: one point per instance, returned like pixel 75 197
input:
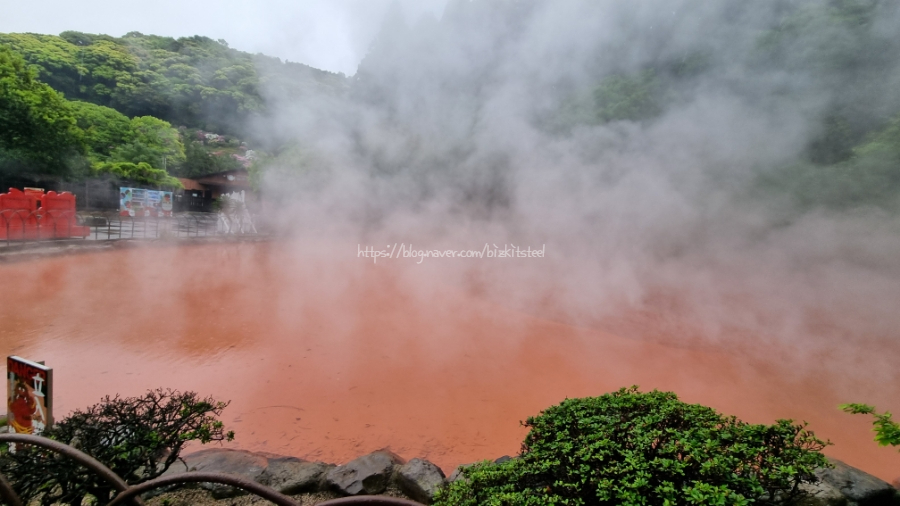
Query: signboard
pixel 28 396
pixel 141 202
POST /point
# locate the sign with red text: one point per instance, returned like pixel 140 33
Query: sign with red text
pixel 29 396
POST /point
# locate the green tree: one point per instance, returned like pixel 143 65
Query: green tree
pixel 153 141
pixel 630 448
pixel 104 128
pixel 39 133
pixel 870 177
pixel 140 172
pixel 199 161
pixel 193 81
pixel 631 97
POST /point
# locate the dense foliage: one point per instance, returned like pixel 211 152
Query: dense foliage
pixel 831 63
pixel 141 173
pixel 37 125
pixel 124 95
pixel 869 176
pixel 837 51
pixel 887 431
pixel 136 437
pixel 192 81
pixel 633 448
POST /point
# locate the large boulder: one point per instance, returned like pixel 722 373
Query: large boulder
pixel 290 475
pixel 246 464
pixel 820 494
pixel 420 480
pixel 848 486
pixel 859 487
pixel 369 474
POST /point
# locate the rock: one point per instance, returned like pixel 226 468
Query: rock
pixel 420 479
pixel 860 488
pixel 177 467
pixel 505 458
pixel 368 474
pixel 220 460
pixel 290 475
pixel 820 494
pixel 847 486
pixel 457 473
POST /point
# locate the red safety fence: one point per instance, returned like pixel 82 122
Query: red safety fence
pixel 18 218
pixel 30 214
pixel 57 217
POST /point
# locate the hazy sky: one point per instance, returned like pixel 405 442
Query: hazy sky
pixel 327 34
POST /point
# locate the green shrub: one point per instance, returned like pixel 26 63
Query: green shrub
pixel 632 448
pixel 887 431
pixel 138 438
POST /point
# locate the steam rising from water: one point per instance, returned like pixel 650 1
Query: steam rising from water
pixel 464 131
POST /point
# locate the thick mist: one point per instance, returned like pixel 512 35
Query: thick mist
pixel 476 128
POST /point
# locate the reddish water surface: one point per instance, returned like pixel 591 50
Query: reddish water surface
pixel 330 357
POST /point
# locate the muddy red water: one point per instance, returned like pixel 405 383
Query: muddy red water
pixel 330 357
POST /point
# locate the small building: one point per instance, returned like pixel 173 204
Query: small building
pixel 200 191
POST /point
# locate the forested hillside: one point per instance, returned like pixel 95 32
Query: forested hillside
pixel 431 99
pixel 193 81
pixel 78 104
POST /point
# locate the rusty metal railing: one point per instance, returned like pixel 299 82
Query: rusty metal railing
pixel 82 458
pixel 128 493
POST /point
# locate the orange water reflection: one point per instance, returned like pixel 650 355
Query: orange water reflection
pixel 326 358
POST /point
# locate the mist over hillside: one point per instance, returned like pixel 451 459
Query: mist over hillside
pixel 739 161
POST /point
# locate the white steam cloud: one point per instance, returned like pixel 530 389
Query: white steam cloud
pixel 454 133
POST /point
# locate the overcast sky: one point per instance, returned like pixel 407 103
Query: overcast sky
pixel 327 34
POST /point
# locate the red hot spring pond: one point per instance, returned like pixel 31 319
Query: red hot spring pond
pixel 325 356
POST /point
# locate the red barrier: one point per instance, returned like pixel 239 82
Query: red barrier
pixel 18 215
pixel 57 217
pixel 22 219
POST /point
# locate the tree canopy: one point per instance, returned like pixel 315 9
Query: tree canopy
pixel 192 81
pixel 40 132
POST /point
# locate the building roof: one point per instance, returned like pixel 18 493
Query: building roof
pixel 236 178
pixel 229 180
pixel 190 184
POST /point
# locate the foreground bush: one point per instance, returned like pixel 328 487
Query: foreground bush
pixel 632 448
pixel 137 437
pixel 887 431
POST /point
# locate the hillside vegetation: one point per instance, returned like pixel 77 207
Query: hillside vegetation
pixel 78 104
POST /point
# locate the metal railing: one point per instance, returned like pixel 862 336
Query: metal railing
pixel 21 227
pixel 127 493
